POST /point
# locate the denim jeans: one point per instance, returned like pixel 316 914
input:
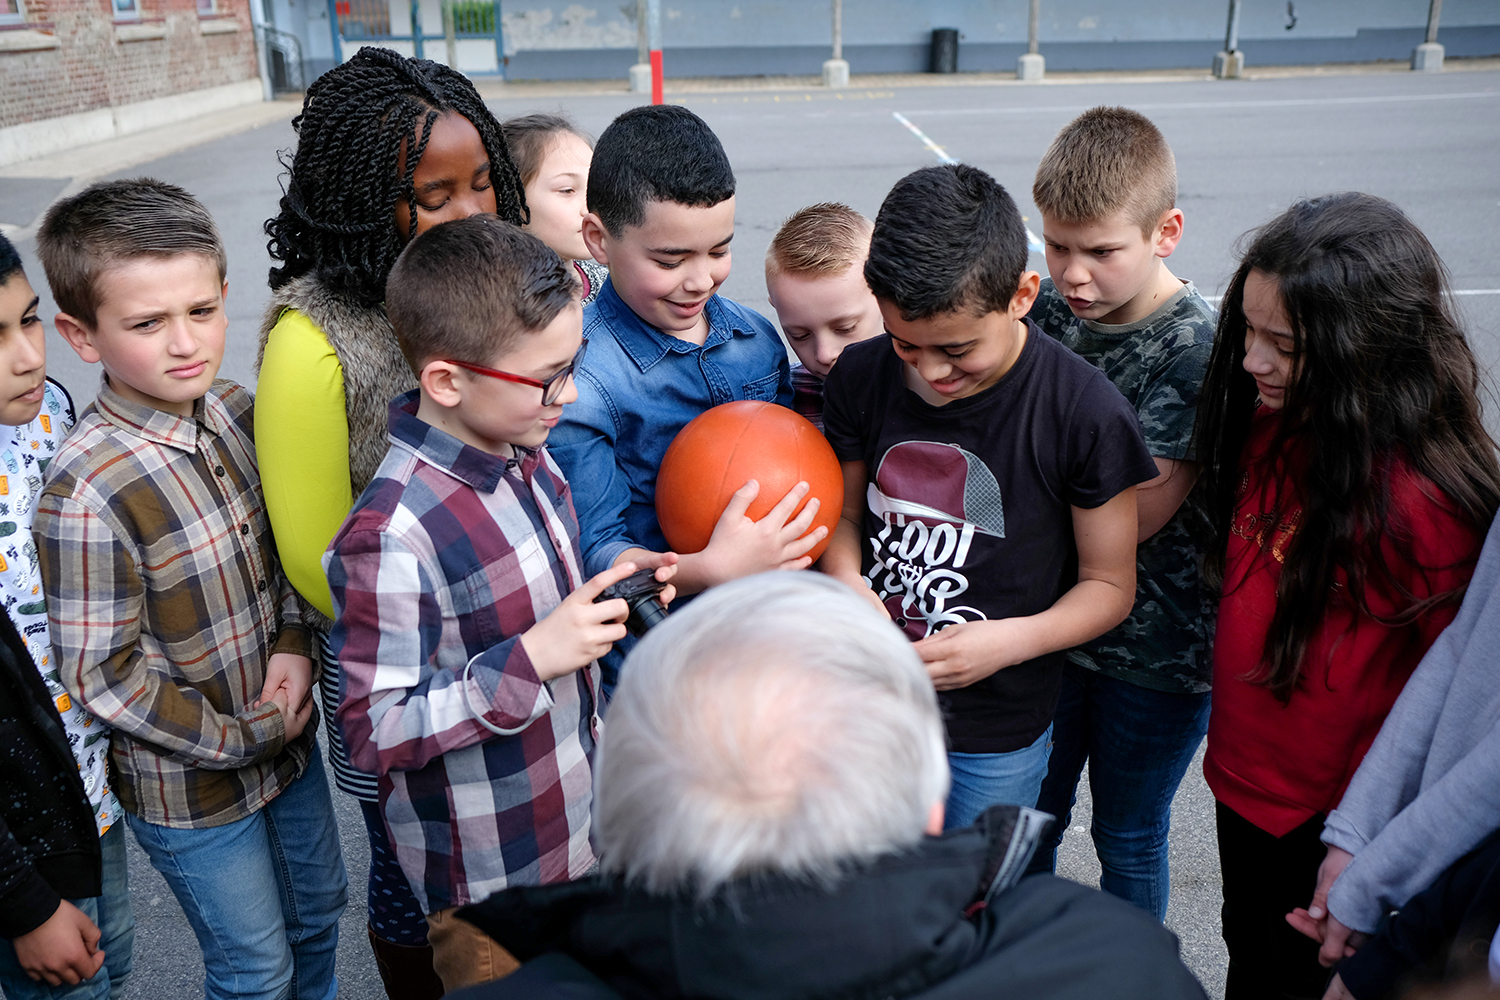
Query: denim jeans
pixel 1138 744
pixel 110 912
pixel 263 894
pixel 981 780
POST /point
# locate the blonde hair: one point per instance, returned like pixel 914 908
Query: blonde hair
pixel 823 239
pixel 1107 160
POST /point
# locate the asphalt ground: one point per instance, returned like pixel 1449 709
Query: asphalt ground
pixel 1245 150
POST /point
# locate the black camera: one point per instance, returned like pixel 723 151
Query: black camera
pixel 639 591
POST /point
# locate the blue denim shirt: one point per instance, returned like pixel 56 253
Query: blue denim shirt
pixel 636 390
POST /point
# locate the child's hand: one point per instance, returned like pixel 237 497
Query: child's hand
pixel 966 652
pixel 288 671
pixel 578 631
pixel 740 546
pixel 63 950
pixel 666 568
pixel 294 720
pixel 857 584
pixel 1338 941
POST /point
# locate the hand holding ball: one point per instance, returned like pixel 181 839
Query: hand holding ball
pixel 723 448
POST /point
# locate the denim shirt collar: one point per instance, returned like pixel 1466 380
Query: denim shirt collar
pixel 645 345
pixel 438 448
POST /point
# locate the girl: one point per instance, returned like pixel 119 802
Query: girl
pixel 387 147
pixel 553 158
pixel 1350 484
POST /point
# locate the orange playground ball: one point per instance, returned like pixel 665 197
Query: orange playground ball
pixel 723 448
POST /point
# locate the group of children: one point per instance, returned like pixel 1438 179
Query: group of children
pixel 482 339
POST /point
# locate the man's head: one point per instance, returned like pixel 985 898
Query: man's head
pixel 1107 191
pixel 479 294
pixel 137 269
pixel 815 279
pixel 23 342
pixel 776 725
pixel 661 213
pixel 948 266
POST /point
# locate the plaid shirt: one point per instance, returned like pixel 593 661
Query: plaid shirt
pixel 451 554
pixel 166 600
pixel 807 395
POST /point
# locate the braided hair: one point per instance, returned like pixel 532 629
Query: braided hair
pixel 338 212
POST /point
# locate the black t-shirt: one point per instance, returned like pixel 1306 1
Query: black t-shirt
pixel 968 515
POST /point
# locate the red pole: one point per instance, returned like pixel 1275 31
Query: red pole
pixel 656 76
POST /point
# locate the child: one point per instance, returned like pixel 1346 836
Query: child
pixel 465 629
pixel 1134 701
pixel 815 278
pixel 552 157
pixel 664 347
pixel 66 910
pixel 1000 524
pixel 330 364
pixel 1348 506
pixel 170 616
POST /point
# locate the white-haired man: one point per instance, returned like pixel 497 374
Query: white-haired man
pixel 768 811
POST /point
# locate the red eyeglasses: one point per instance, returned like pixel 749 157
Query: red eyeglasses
pixel 551 387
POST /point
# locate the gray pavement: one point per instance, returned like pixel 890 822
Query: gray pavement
pixel 1245 150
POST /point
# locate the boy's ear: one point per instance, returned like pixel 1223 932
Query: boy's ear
pixel 593 238
pixel 1026 292
pixel 1168 232
pixel 441 382
pixel 78 336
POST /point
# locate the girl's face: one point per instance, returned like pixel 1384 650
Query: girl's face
pixel 1270 355
pixel 452 180
pixel 556 196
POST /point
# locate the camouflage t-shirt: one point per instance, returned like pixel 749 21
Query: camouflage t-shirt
pixel 1158 363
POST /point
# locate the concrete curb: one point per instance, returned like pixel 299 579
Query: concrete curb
pixel 31 140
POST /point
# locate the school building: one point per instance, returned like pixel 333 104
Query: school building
pixel 76 71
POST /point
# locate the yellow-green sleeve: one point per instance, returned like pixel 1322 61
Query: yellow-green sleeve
pixel 302 445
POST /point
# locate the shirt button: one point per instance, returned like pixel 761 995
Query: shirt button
pixel 244 529
pixel 218 470
pixel 261 586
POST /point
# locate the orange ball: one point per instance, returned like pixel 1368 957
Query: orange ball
pixel 723 448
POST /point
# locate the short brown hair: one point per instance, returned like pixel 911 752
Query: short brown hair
pixel 1105 161
pixel 467 290
pixel 823 239
pixel 114 221
pixel 528 137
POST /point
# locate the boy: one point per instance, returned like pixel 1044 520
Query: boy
pixel 815 279
pixel 1135 700
pixel 64 907
pixel 999 528
pixel 463 624
pixel 170 616
pixel 664 347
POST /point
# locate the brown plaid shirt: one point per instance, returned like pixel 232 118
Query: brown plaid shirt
pixel 166 600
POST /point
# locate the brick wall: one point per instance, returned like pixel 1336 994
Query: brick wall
pixel 94 66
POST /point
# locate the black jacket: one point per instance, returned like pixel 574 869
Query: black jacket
pixel 935 922
pixel 49 845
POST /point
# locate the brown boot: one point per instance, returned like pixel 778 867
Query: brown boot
pixel 406 970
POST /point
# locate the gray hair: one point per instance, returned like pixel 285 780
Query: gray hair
pixel 776 724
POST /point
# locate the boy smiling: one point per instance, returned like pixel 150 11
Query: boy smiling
pixel 989 478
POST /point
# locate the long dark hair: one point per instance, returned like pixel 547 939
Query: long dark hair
pixel 338 215
pixel 1382 376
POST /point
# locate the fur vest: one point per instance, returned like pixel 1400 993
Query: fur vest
pixel 375 372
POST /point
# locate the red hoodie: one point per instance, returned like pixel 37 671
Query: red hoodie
pixel 1278 765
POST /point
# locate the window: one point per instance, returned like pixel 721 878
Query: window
pixel 127 8
pixel 207 8
pixel 11 12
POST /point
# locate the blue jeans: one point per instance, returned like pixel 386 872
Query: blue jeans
pixel 1138 744
pixel 110 912
pixel 981 780
pixel 263 894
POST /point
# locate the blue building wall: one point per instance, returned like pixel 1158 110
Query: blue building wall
pixel 553 39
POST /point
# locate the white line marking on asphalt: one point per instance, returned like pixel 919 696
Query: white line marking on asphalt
pixel 1290 102
pixel 1032 243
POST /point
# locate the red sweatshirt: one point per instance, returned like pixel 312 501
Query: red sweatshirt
pixel 1278 765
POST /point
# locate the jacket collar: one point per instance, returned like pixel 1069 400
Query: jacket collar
pixel 645 345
